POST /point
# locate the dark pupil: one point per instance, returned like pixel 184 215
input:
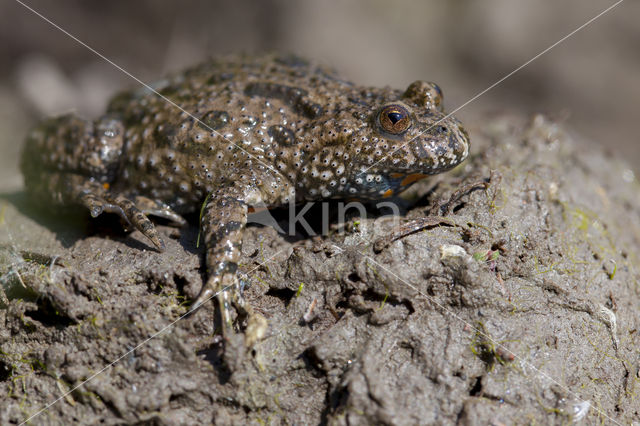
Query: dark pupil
pixel 395 117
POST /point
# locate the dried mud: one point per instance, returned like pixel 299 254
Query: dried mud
pixel 525 309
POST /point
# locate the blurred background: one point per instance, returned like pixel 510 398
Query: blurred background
pixel 591 81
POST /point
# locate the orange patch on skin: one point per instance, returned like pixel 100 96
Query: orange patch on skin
pixel 388 193
pixel 412 178
pixel 257 209
pixel 106 185
pixel 396 175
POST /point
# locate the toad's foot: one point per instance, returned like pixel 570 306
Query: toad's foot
pixel 158 209
pixel 126 209
pixel 229 296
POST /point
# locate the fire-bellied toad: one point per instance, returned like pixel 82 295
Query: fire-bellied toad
pixel 248 131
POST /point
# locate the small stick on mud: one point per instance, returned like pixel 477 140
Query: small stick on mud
pixel 308 316
pixel 435 215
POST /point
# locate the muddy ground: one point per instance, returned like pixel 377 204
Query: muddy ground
pixel 523 307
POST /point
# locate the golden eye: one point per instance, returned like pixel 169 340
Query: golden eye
pixel 394 119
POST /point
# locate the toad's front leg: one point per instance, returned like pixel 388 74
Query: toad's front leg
pixel 222 225
pixel 223 222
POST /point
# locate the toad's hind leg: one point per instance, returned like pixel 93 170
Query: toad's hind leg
pixel 71 189
pixel 68 161
pixel 126 209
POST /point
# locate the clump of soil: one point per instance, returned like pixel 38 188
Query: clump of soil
pixel 522 308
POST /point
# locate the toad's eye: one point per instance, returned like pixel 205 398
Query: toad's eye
pixel 394 119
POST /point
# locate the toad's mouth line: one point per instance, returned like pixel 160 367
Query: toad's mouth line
pixel 502 79
pixel 269 167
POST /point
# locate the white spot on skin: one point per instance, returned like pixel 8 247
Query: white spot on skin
pixel 326 175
